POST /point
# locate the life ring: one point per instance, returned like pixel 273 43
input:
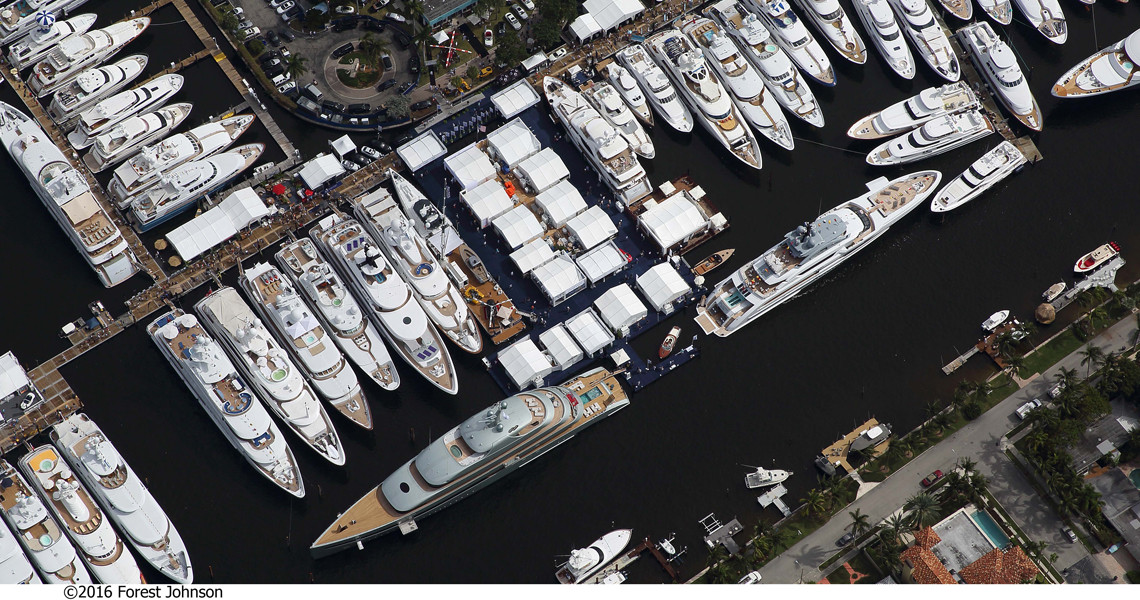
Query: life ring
pixel 423 269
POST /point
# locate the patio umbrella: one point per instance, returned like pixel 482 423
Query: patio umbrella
pixel 308 193
pixel 278 189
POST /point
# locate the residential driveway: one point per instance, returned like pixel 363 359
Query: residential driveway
pixel 978 440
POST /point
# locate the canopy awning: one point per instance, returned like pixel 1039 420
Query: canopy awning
pixel 513 142
pixel 591 227
pixel 320 170
pixel 543 170
pixel 517 226
pixel 515 98
pixel 525 364
pixel 487 201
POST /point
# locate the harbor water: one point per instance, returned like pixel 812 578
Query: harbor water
pixel 868 340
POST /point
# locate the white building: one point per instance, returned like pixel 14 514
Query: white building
pixel 421 151
pixel 591 228
pixel 620 308
pixel 673 221
pixel 515 99
pixel 560 203
pixel 237 211
pixel 525 364
pixel 517 226
pixel 587 329
pixel 559 278
pixel 560 346
pixel 321 170
pixel 512 142
pixel 662 285
pixel 470 167
pixel 604 16
pixel 487 201
pixel 342 146
pixel 541 171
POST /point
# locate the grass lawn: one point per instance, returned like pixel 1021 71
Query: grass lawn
pixel 1048 355
pixel 862 565
pixel 839 576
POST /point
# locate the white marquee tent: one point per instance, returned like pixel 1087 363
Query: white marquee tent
pixel 342 146
pixel 585 27
pixel 589 331
pixel 512 142
pixel 470 167
pixel 612 13
pixel 560 346
pixel 525 364
pixel 561 203
pixel 236 212
pixel 662 285
pixel 601 262
pixel 515 99
pixel 672 221
pixel 542 170
pixel 591 227
pixel 487 201
pixel 320 170
pixel 422 150
pixel 559 278
pixel 517 226
pixel 531 255
pixel 620 307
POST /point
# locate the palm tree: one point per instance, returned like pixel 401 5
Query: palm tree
pixel 1091 356
pixel 1036 441
pixel 897 525
pixel 982 389
pixel 860 522
pixel 295 66
pixel 1122 298
pixel 932 408
pixel 1068 377
pixel 1098 315
pixel 1014 364
pixel 815 504
pixel 967 465
pixel 905 445
pixel 1005 343
pixel 373 49
pixel 923 509
pixel 962 392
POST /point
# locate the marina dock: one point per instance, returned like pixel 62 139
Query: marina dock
pixel 837 452
pixel 630 557
pixel 774 497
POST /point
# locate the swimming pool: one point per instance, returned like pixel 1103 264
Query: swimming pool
pixel 1135 477
pixel 989 527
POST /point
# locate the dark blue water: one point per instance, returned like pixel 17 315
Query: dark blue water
pixel 868 340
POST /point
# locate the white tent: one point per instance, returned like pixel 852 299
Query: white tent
pixel 487 201
pixel 535 61
pixel 560 346
pixel 236 212
pixel 320 170
pixel 512 142
pixel 559 278
pixel 542 170
pixel 560 203
pixel 342 146
pixel 13 378
pixel 525 364
pixel 611 13
pixel 591 227
pixel 602 261
pixel 470 167
pixel 585 27
pixel 589 332
pixel 620 307
pixel 661 285
pixel 531 255
pixel 517 226
pixel 422 150
pixel 672 221
pixel 515 99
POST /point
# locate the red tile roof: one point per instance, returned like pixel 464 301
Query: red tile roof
pixel 926 538
pixel 998 567
pixel 927 568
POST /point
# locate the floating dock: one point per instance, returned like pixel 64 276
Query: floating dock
pixel 773 497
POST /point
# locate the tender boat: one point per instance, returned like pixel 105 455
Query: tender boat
pixel 386 297
pixel 322 364
pixel 777 70
pixel 413 261
pixel 100 118
pixel 626 85
pixel 879 20
pixel 998 64
pixel 831 21
pixel 605 149
pixel 75 53
pixel 93 85
pixel 127 137
pixel 1053 291
pixel 713 261
pixel 605 99
pixel 962 9
pixel 933 138
pixel 911 113
pixel 668 343
pixel 68 197
pixel 998 10
pixel 928 38
pixel 995 320
pixel 127 501
pixel 810 251
pixel 270 371
pixel 180 188
pixel 794 38
pixel 100 547
pixel 39 534
pixel 759 107
pixel 587 561
pixel 1111 69
pixel 614 578
pixel 762 477
pixel 18 19
pixel 659 92
pixel 1096 258
pixel 486 447
pixel 145 168
pixel 711 104
pixel 1046 17
pixel 33 48
pixel 233 407
pixel 338 311
pixel 984 173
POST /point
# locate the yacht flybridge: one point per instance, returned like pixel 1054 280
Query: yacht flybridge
pixel 795 39
pixel 627 86
pixel 879 20
pixel 927 105
pixel 1046 16
pixel 606 100
pixel 998 64
pixel 830 20
pixel 916 19
pixel 984 173
pixel 1115 68
pixel 659 92
pixel 933 138
pixel 39 42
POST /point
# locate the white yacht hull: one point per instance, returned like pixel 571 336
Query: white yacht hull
pixel 164 121
pixel 665 103
pixel 967 186
pixel 895 52
pixel 1113 68
pixel 67 103
pixel 102 117
pixel 34 48
pixel 838 31
pixel 1046 17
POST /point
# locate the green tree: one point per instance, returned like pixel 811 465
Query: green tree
pixel 923 509
pixel 372 50
pixel 972 410
pixel 1091 356
pixel 1006 345
pixel 896 526
pixel 1014 364
pixel 982 391
pixel 509 49
pixel 229 23
pixel 295 66
pixel 398 107
pixel 815 503
pixel 1098 316
pixel 967 464
pixel 315 20
pixel 548 33
pixel 860 523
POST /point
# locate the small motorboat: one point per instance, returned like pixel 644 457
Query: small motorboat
pixel 762 477
pixel 669 342
pixel 614 578
pixel 1053 291
pixel 1096 258
pixel 995 320
pixel 712 262
pixel 666 545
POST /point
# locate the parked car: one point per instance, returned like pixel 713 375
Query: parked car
pixel 380 4
pixel 276 3
pixel 387 83
pixel 380 145
pixel 342 50
pixel 520 12
pixel 239 12
pixel 501 28
pixel 349 165
pixel 1024 410
pixel 272 37
pixel 1057 389
pixel 331 106
pixel 370 152
pixel 1068 531
pixel 930 479
pixel 387 60
pixel 281 78
pixel 558 53
pixel 285 53
pixel 846 539
pixel 422 105
pixel 250 32
pixel 362 107
pixel 397 17
pixel 245 24
pixel 374 25
pixel 753 577
pixel 284 8
pixel 287 87
pixel 513 21
pixel 345 9
pixel 293 13
pixel 488 38
pixel 287 35
pixel 343 25
pixel 274 71
pixel 270 64
pixel 486 72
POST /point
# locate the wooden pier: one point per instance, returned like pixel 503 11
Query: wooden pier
pixel 957 363
pixel 837 453
pixel 630 557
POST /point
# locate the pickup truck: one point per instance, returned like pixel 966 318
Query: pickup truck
pixel 1024 410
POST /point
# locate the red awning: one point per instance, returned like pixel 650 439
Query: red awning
pixel 308 193
pixel 279 189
